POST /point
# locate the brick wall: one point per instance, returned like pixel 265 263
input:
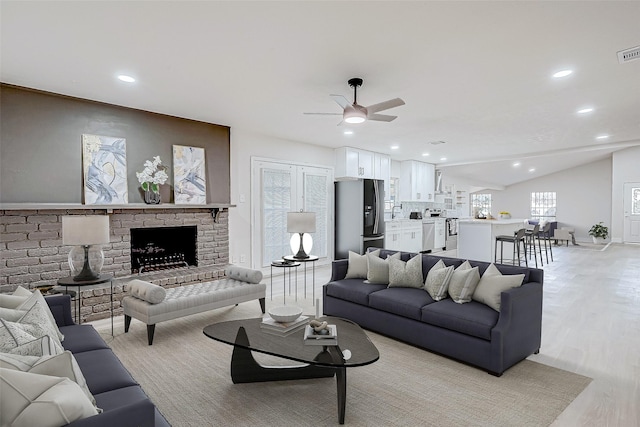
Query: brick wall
pixel 32 254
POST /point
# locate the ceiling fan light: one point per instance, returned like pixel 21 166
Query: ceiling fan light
pixel 354 116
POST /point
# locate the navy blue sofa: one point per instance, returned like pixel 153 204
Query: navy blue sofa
pixel 121 398
pixel 472 333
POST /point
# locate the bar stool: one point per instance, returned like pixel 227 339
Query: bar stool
pixel 531 237
pixel 515 239
pixel 546 235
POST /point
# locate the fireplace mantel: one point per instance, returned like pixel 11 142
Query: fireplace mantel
pixel 216 208
pixel 107 208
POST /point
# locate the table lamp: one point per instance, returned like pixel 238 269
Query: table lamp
pixel 86 234
pixel 301 223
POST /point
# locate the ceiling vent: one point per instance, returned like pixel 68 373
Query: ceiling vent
pixel 628 55
pixel 436 142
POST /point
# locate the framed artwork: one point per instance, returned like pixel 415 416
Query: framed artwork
pixel 104 166
pixel 189 183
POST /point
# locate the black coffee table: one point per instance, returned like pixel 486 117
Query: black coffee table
pixel 354 349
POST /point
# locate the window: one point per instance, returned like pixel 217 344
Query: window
pixel 481 204
pixel 288 187
pixel 543 205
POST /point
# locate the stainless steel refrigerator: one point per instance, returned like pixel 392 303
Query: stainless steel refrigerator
pixel 359 216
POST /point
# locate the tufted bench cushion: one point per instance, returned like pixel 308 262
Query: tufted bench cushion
pixel 191 299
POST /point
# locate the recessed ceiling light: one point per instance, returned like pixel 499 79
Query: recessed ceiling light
pixel 532 170
pixel 125 78
pixel 516 164
pixel 585 110
pixel 425 154
pixel 443 159
pixel 348 132
pixel 395 147
pixel 563 73
pixel 602 136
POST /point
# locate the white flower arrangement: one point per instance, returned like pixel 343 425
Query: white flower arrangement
pixel 153 175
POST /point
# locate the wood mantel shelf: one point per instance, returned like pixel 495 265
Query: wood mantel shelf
pixel 215 208
pixel 108 208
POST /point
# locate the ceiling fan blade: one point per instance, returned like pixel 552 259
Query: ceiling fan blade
pixel 341 100
pixel 381 117
pixel 392 103
pixel 324 114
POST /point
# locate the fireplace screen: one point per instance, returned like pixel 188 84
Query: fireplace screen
pixel 161 248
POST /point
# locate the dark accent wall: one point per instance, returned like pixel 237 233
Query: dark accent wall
pixel 41 146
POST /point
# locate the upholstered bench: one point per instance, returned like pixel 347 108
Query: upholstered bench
pixel 152 304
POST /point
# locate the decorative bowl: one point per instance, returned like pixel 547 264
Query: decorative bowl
pixel 285 313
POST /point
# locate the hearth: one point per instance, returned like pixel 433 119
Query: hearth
pixel 162 248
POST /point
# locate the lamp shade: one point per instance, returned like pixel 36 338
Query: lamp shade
pixel 85 230
pixel 301 222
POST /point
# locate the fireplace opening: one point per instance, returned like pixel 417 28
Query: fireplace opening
pixel 162 248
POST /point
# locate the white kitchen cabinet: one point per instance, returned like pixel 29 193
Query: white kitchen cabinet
pixel 417 181
pixel 411 240
pixel 439 240
pixel 353 163
pixel 382 170
pixel 393 236
pixel 403 235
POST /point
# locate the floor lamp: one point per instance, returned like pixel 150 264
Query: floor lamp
pixel 301 223
pixel 86 234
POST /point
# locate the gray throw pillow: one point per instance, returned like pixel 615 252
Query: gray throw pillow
pixel 406 274
pixel 358 268
pixel 464 281
pixel 378 268
pixel 492 284
pixel 437 281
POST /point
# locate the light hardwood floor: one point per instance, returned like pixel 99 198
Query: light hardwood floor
pixel 591 326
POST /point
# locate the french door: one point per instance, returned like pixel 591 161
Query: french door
pixel 631 202
pixel 279 188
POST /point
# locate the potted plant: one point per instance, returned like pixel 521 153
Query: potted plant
pixel 599 233
pixel 153 175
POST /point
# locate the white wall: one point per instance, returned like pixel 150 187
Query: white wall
pixel 244 146
pixel 625 169
pixel 583 196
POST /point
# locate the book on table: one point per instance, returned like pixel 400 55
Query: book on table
pixel 270 325
pixel 283 334
pixel 312 338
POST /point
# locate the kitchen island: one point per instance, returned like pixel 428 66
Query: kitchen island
pixel 476 237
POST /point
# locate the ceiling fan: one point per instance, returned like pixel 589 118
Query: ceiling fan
pixel 356 113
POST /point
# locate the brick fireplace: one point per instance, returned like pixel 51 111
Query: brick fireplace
pixel 33 255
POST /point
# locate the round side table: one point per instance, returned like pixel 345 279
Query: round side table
pixel 312 259
pixel 287 266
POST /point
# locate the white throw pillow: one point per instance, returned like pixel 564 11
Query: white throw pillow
pixel 36 321
pixel 41 400
pixel 15 334
pixel 36 297
pixel 146 291
pixel 378 268
pixel 437 281
pixel 492 284
pixel 11 314
pixel 463 283
pixel 59 365
pixel 19 296
pixel 406 274
pixel 357 268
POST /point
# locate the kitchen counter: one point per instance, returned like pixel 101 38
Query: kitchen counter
pixel 476 237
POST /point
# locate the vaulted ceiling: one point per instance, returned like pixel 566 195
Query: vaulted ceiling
pixel 476 75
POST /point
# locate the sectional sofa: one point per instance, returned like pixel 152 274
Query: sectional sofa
pixel 122 400
pixel 473 332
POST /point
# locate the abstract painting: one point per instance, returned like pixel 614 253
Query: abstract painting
pixel 189 183
pixel 104 169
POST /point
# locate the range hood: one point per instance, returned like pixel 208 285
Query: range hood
pixel 438 181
